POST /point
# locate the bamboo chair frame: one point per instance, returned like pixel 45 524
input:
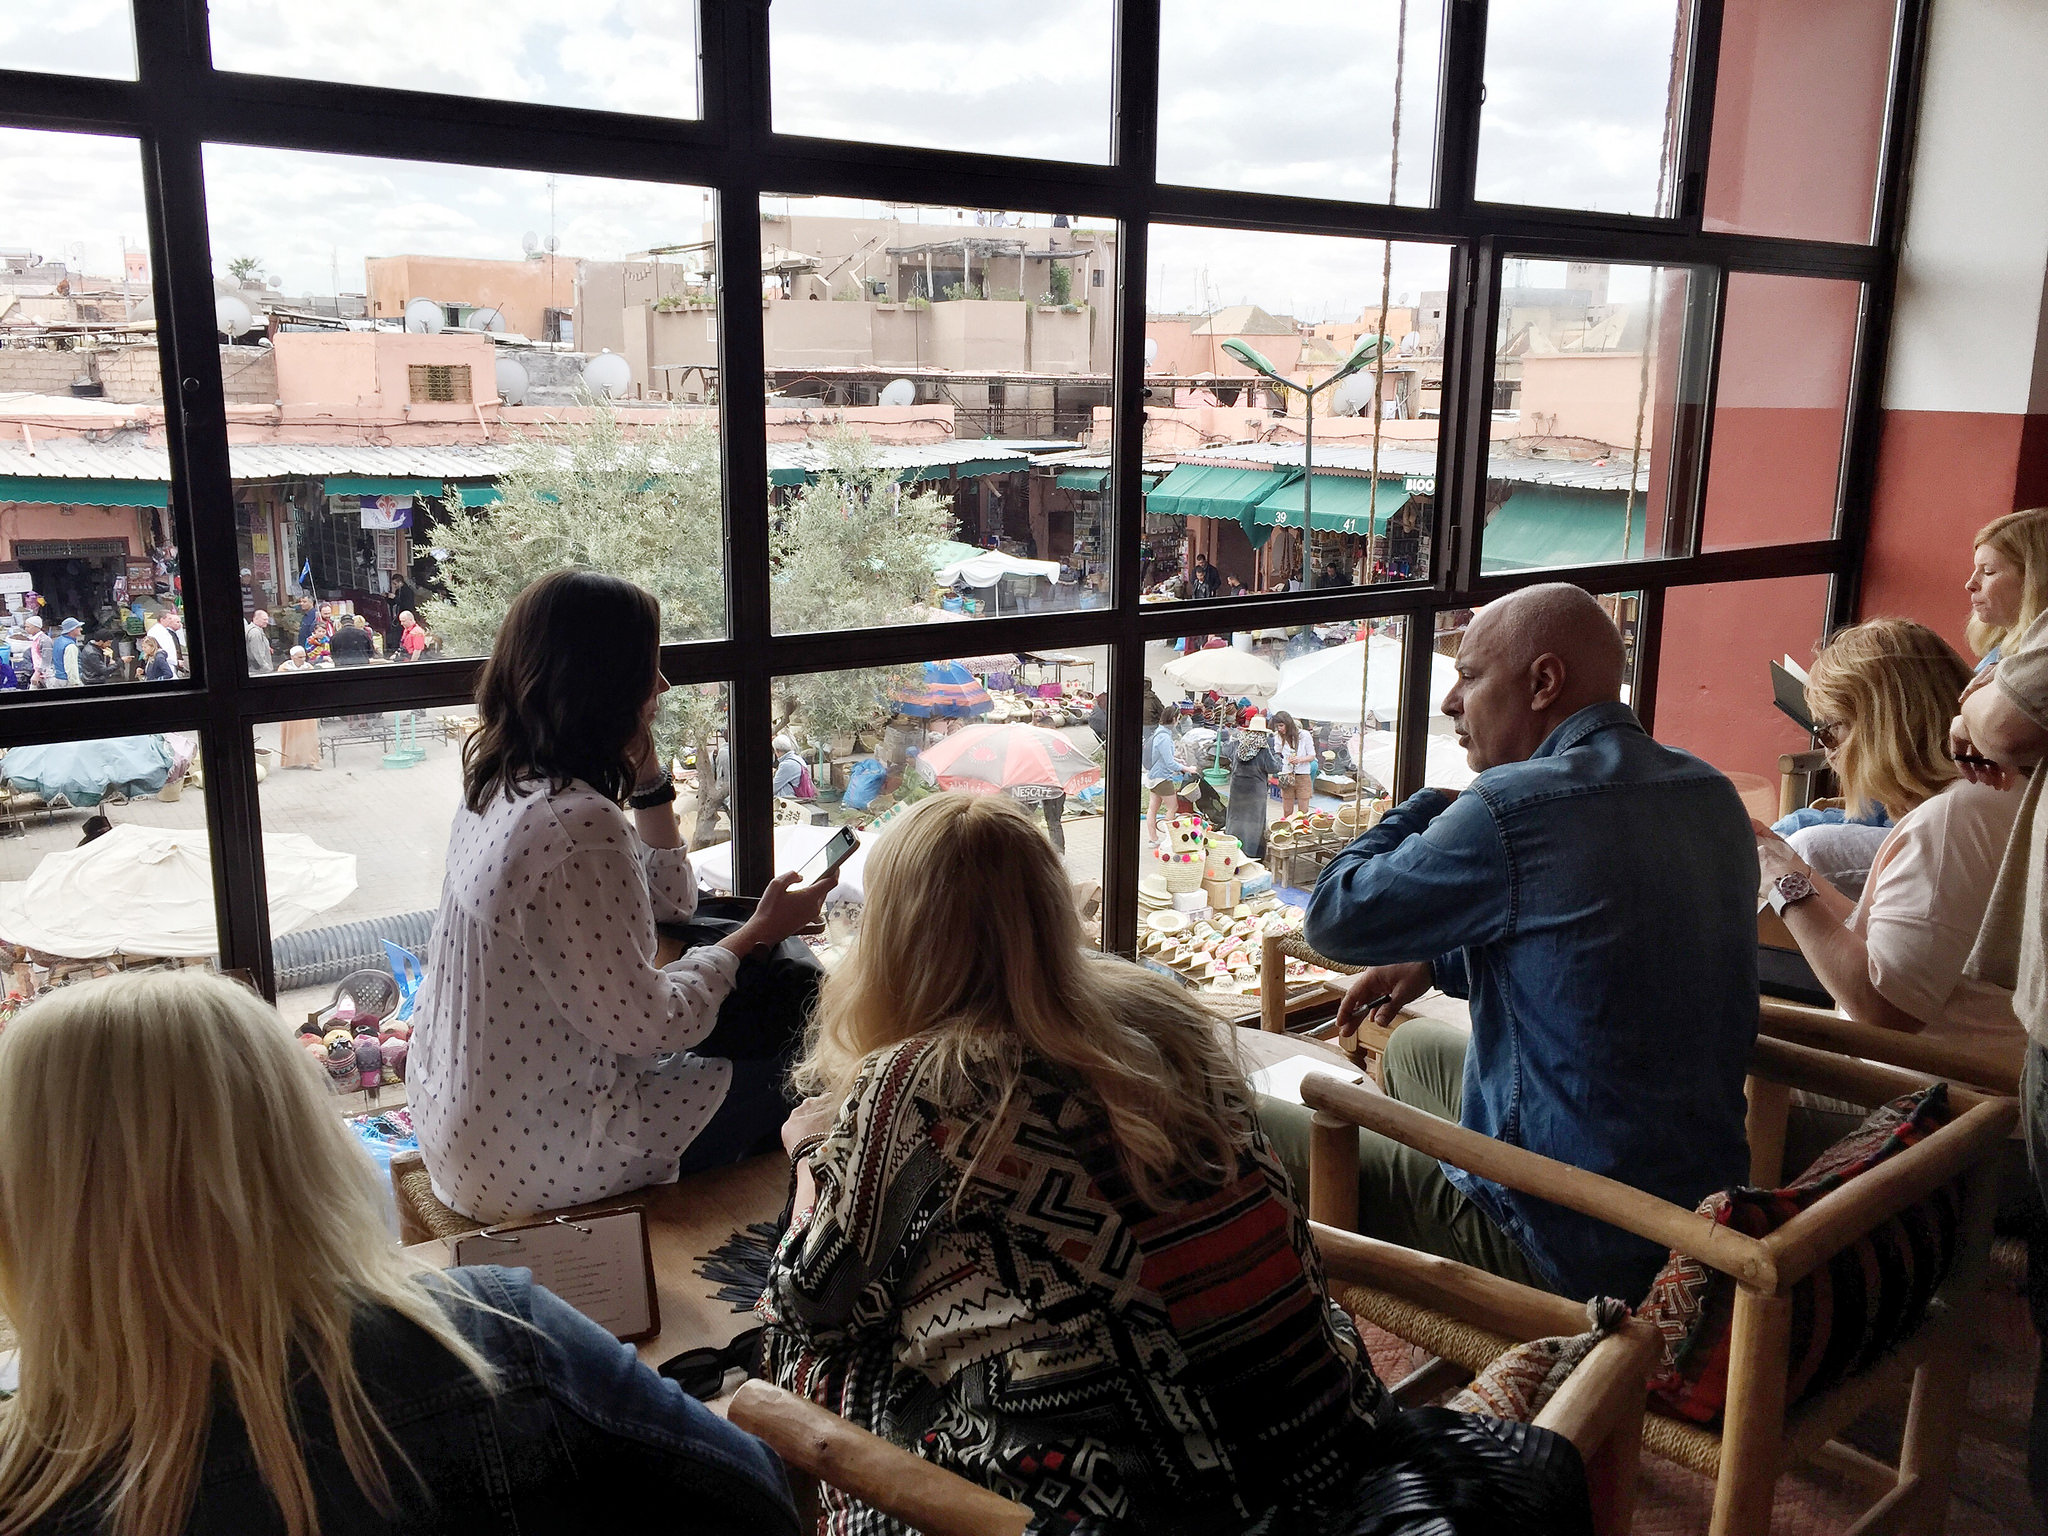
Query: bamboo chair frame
pixel 1759 1437
pixel 1599 1409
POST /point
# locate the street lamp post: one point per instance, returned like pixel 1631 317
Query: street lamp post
pixel 1368 348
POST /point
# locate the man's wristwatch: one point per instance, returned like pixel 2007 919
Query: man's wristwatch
pixel 661 792
pixel 1787 889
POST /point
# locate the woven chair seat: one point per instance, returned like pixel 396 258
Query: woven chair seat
pixel 416 1191
pixel 2008 1265
pixel 1685 1443
pixel 1296 947
pixel 1445 1337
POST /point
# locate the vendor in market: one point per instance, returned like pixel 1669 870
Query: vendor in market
pixel 1252 765
pixel 553 1061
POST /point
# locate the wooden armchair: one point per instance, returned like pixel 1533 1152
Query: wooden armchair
pixel 1761 1434
pixel 1276 1008
pixel 1599 1409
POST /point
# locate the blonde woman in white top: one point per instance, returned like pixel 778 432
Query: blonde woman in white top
pixel 1882 694
pixel 1296 749
pixel 553 1061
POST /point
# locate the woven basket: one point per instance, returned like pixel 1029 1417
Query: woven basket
pixel 1181 876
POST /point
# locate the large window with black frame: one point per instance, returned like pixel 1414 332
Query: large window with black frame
pixel 1082 376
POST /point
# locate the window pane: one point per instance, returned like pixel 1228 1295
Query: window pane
pixel 384 799
pixel 1232 114
pixel 1799 117
pixel 1780 409
pixel 104 862
pixel 440 379
pixel 1578 115
pixel 870 743
pixel 939 415
pixel 87 529
pixel 1713 681
pixel 613 55
pixel 1226 807
pixel 83 37
pixel 1001 76
pixel 1240 326
pixel 1588 380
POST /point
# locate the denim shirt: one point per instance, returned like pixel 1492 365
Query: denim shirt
pixel 1160 763
pixel 1597 905
pixel 578 1437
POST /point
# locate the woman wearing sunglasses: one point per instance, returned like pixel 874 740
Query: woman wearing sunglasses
pixel 1882 694
pixel 1040 1240
pixel 218 1335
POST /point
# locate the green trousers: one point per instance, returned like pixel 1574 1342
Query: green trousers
pixel 1403 1196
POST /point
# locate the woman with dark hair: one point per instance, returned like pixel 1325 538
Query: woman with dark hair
pixel 553 1061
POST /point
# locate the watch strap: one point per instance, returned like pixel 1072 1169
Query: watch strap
pixel 661 792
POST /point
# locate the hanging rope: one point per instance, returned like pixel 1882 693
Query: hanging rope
pixel 1379 384
pixel 1666 162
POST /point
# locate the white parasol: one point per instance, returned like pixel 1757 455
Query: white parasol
pixel 1226 669
pixel 149 891
pixel 1443 763
pixel 1325 684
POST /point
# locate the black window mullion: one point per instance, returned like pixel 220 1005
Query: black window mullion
pixel 1649 656
pixel 171 49
pixel 1696 130
pixel 1461 91
pixel 735 43
pixel 1135 164
pixel 1411 724
pixel 1695 388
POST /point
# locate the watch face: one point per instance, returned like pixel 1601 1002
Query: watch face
pixel 1794 887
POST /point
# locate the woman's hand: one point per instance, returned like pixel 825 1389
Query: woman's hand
pixel 1776 855
pixel 785 907
pixel 642 756
pixel 811 1118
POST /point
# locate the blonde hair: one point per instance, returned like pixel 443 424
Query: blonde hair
pixel 969 937
pixel 182 1212
pixel 2022 537
pixel 1893 683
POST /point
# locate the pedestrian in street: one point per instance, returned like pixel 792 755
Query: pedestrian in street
pixel 156 662
pixel 168 632
pixel 1252 764
pixel 308 617
pixel 96 662
pixel 792 773
pixel 413 639
pixel 352 645
pixel 257 635
pixel 38 652
pixel 64 672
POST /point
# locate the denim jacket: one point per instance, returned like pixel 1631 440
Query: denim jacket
pixel 1160 763
pixel 1597 905
pixel 578 1437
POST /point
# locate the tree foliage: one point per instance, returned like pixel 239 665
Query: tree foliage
pixel 242 268
pixel 852 549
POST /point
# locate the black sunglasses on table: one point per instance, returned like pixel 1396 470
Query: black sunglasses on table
pixel 701 1372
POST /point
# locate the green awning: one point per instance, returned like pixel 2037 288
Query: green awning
pixel 1218 491
pixel 967 469
pixel 1541 526
pixel 1337 504
pixel 382 485
pixel 56 490
pixel 1081 479
pixel 790 476
pixel 478 495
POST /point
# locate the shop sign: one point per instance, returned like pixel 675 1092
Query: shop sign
pixel 17 581
pixel 1420 485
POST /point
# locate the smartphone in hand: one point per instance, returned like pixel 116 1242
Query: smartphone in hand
pixel 830 857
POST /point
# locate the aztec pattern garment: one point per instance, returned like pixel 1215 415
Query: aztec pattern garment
pixel 1114 1367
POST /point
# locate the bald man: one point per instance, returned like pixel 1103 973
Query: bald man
pixel 1593 895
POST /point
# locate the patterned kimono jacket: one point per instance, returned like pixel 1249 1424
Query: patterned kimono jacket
pixel 1113 1366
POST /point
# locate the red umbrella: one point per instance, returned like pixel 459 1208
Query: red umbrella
pixel 990 759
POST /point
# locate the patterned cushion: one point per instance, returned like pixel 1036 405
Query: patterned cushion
pixel 1518 1385
pixel 1846 1314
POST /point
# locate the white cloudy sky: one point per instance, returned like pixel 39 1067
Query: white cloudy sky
pixel 1297 100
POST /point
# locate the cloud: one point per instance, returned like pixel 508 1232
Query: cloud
pixel 1291 99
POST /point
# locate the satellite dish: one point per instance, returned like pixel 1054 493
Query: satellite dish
pixel 553 245
pixel 270 280
pixel 512 381
pixel 899 392
pixel 425 315
pixel 145 309
pixel 231 317
pixel 529 242
pixel 485 320
pixel 608 374
pixel 1151 349
pixel 1353 396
